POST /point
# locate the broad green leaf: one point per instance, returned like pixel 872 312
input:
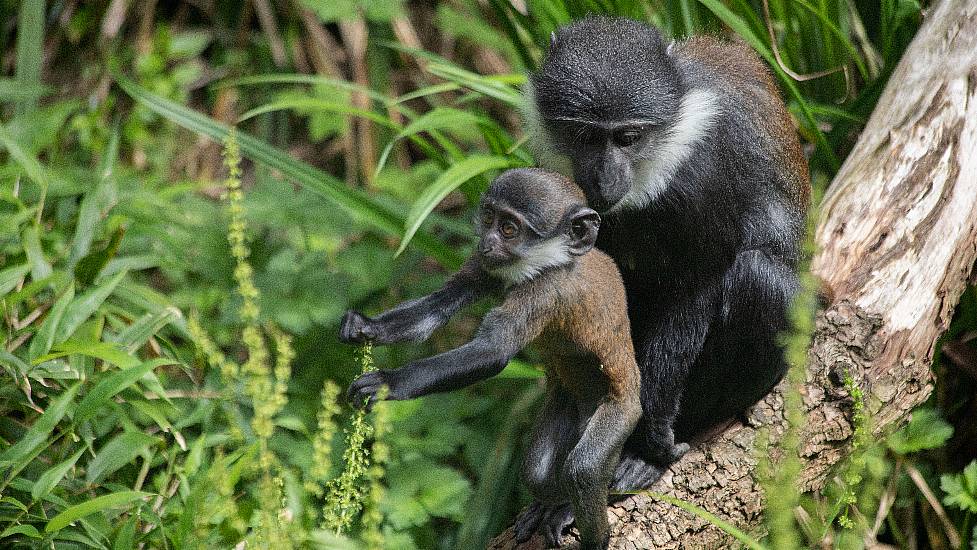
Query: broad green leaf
pixel 491 87
pixel 111 384
pixel 40 268
pixel 125 539
pixel 30 49
pixel 49 479
pixel 926 430
pixel 156 410
pixel 10 277
pixel 84 306
pixel 97 504
pixel 354 202
pixel 96 201
pixel 8 358
pixel 22 529
pixel 41 428
pixel 20 505
pixel 44 337
pixel 11 90
pixel 439 118
pixel 311 103
pixel 136 334
pixel 106 351
pixel 291 78
pixel 26 160
pixel 88 268
pixel 447 182
pixel 115 454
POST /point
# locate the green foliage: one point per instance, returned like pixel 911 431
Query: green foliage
pixel 961 489
pixel 109 231
pixel 926 430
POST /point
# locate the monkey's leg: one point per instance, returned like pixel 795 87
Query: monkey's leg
pixel 666 353
pixel 555 434
pixel 743 341
pixel 590 467
pixel 415 320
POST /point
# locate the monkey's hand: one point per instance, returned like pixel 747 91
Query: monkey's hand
pixel 363 391
pixel 356 328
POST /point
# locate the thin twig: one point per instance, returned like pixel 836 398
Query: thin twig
pixel 776 53
pixel 885 503
pixel 951 532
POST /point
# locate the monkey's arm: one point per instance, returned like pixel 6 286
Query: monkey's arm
pixel 503 333
pixel 415 320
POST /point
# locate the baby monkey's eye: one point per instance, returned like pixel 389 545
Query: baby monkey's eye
pixel 486 217
pixel 509 229
pixel 626 136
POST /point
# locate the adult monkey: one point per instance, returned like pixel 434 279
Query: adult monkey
pixel 688 153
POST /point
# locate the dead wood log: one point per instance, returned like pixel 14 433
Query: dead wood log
pixel 897 239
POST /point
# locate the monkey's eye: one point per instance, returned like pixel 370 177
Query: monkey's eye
pixel 626 136
pixel 486 217
pixel 509 229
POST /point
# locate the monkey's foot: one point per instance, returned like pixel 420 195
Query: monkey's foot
pixel 633 473
pixel 671 454
pixel 548 519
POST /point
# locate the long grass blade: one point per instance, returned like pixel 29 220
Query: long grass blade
pixel 447 182
pixel 355 203
pixel 30 44
pixel 97 504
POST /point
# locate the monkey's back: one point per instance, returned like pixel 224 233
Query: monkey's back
pixel 589 340
pixel 741 74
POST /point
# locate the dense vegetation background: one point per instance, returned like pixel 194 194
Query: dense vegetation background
pixel 170 364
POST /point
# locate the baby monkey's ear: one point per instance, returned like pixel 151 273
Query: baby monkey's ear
pixel 583 231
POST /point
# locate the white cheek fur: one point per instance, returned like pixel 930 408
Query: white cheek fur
pixel 697 114
pixel 550 253
pixel 543 149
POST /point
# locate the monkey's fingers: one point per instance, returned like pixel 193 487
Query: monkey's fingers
pixel 528 521
pixel 362 391
pixel 557 520
pixel 355 328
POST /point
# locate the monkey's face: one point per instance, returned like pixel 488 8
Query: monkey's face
pixel 606 156
pixel 505 237
pixel 530 220
pixel 606 101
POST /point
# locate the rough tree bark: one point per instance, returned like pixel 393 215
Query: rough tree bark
pixel 897 242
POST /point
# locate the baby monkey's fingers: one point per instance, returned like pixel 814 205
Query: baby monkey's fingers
pixel 356 328
pixel 363 391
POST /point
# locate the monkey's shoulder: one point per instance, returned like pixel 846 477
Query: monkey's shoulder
pixel 732 61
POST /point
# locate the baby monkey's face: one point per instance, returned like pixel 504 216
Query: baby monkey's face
pixel 530 220
pixel 505 236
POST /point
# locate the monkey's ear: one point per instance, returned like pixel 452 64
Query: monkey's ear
pixel 583 231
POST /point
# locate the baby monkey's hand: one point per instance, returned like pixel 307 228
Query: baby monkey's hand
pixel 356 328
pixel 363 391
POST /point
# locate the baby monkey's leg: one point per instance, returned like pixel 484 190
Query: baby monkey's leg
pixel 557 431
pixel 590 466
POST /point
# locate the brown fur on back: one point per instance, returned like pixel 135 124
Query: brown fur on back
pixel 736 66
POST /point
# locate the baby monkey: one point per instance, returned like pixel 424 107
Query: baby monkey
pixel 536 250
